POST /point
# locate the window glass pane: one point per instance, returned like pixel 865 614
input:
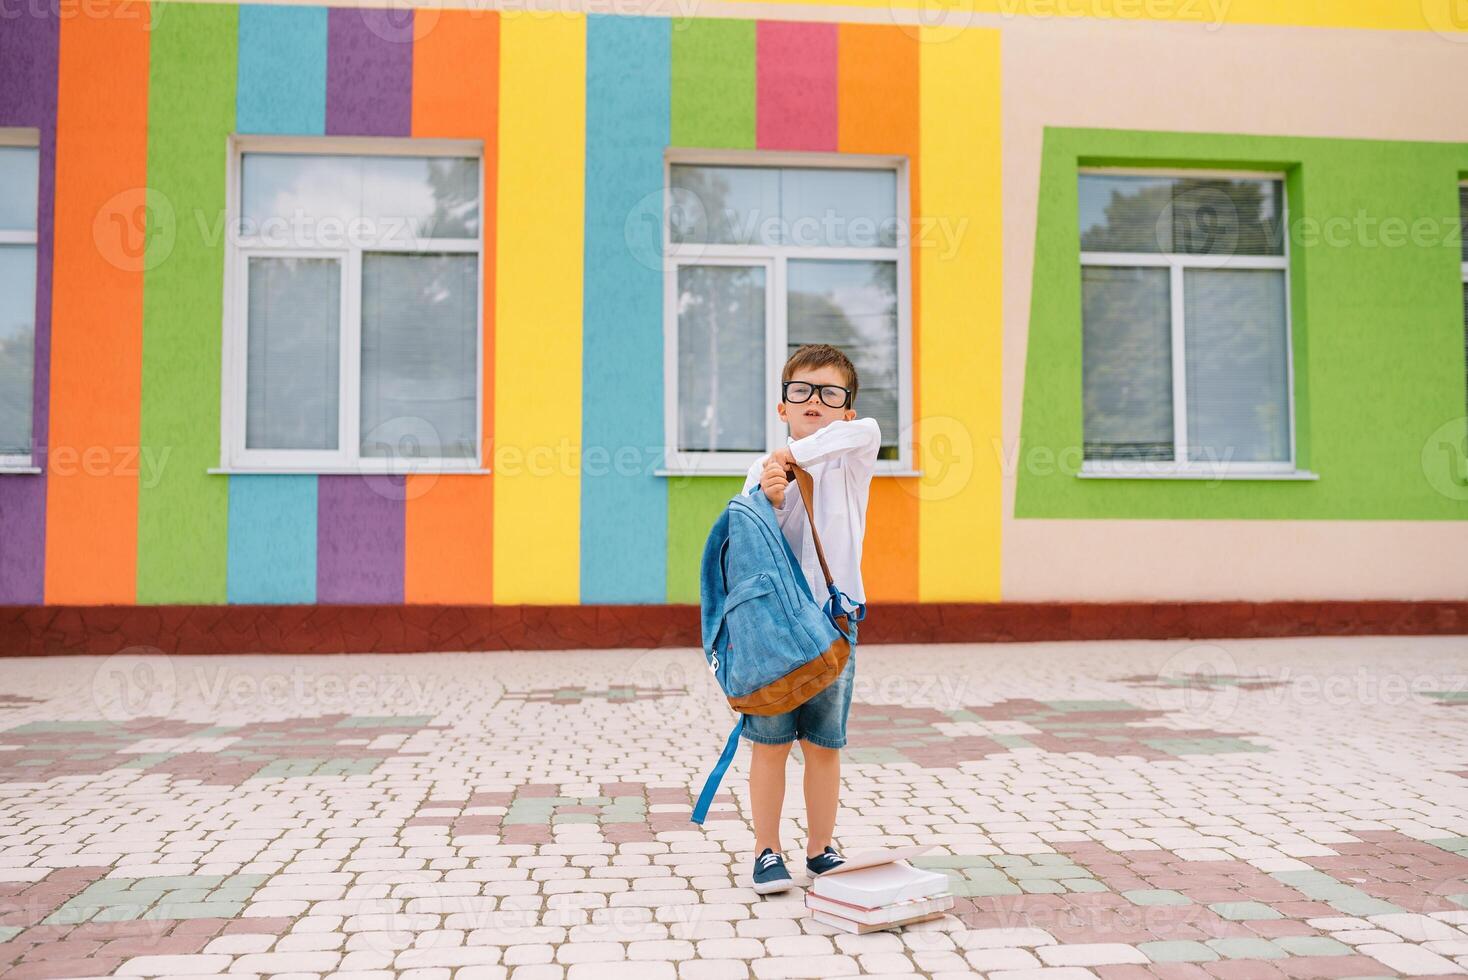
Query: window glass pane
pixel 293 336
pixel 1181 215
pixel 725 205
pixel 1463 212
pixel 1127 363
pixel 1121 213
pixel 19 186
pixel 1238 395
pixel 419 355
pixel 721 358
pixel 838 207
pixel 437 196
pixel 17 346
pixel 802 206
pixel 1213 216
pixel 335 200
pixel 852 305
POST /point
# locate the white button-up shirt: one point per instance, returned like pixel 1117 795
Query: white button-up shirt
pixel 841 457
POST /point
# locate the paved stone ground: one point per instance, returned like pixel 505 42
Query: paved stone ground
pixel 1239 809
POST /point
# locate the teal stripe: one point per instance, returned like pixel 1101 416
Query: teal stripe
pixel 281 90
pixel 282 70
pixel 272 539
pixel 624 507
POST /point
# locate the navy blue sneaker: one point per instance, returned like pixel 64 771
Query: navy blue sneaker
pixel 770 874
pixel 823 862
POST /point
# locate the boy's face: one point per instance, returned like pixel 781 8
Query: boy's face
pixel 807 417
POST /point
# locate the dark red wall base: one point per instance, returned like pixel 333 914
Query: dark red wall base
pixel 48 630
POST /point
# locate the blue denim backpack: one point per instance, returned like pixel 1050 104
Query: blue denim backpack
pixel 770 646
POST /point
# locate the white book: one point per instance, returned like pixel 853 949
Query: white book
pixel 880 884
pixel 851 925
pixel 885 914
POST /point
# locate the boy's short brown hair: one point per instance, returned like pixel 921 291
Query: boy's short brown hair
pixel 819 356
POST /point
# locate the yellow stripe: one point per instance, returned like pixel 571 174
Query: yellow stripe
pixel 1440 16
pixel 959 349
pixel 1396 15
pixel 537 325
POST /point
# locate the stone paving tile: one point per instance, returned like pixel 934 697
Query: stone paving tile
pixel 1241 810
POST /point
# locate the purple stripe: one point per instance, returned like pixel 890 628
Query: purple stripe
pixel 369 72
pixel 360 529
pixel 361 520
pixel 28 55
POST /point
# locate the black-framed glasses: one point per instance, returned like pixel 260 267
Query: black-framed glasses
pixel 800 392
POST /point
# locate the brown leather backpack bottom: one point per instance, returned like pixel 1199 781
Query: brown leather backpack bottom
pixel 801 684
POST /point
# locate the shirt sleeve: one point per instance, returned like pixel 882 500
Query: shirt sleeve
pixel 859 438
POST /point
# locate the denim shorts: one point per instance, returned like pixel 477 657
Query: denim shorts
pixel 819 721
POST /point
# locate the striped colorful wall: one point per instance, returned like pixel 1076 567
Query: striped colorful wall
pixel 993 105
pixel 575 112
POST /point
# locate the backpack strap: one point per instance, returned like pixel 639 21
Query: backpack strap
pixel 839 615
pixel 711 785
pixel 807 495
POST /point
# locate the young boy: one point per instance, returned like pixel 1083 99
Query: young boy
pixel 839 450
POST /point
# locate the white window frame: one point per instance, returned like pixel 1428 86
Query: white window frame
pixel 28 138
pixel 775 258
pixel 1180 467
pixel 239 249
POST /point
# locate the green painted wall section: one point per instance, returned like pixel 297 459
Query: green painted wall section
pixel 1377 330
pixel 694 503
pixel 712 104
pixel 183 520
pixel 713 94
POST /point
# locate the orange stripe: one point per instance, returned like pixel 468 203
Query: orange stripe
pixel 449 548
pixel 877 112
pixel 97 307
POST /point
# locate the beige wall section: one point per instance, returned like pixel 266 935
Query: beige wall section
pixel 1262 80
pixel 1114 561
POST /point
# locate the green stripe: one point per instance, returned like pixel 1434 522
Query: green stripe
pixel 183 519
pixel 694 503
pixel 712 105
pixel 713 84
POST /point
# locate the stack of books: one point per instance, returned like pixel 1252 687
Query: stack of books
pixel 879 890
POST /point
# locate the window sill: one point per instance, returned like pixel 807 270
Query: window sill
pixel 713 471
pixel 343 471
pixel 20 470
pixel 1161 473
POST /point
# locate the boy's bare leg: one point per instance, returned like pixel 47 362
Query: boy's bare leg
pixel 822 787
pixel 767 792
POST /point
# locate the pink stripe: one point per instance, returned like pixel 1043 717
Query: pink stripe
pixel 796 68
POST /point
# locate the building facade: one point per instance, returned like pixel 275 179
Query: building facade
pixel 310 306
